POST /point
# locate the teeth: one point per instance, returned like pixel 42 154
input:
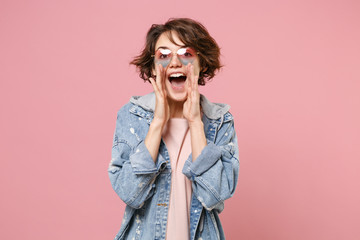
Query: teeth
pixel 176 75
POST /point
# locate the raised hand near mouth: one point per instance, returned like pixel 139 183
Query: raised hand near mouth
pixel 162 109
pixel 192 113
pixel 191 108
pixel 161 113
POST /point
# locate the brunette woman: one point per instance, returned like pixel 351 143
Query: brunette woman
pixel 175 154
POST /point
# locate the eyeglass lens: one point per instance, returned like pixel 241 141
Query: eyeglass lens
pixel 164 56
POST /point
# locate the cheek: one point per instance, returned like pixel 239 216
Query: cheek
pixel 193 62
pixel 164 63
pixel 186 61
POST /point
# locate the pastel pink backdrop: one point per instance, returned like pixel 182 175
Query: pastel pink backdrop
pixel 291 75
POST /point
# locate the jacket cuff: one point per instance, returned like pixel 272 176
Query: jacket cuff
pixel 207 158
pixel 142 162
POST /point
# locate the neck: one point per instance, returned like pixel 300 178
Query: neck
pixel 176 108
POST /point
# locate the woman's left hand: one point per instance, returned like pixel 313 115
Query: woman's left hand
pixel 191 108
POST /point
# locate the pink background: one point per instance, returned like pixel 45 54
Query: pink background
pixel 292 77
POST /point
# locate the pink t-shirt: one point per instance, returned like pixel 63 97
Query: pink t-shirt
pixel 176 135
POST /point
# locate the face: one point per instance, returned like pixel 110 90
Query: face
pixel 174 59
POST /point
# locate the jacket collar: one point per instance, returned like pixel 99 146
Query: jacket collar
pixel 211 110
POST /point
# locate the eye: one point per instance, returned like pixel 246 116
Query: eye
pixel 187 54
pixel 163 53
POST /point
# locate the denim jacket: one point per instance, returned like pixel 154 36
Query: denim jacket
pixel 145 186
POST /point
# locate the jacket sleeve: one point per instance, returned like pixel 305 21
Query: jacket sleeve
pixel 214 173
pixel 132 171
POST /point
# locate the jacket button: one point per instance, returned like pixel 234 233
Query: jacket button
pixel 163 166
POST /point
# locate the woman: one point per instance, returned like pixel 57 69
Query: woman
pixel 175 154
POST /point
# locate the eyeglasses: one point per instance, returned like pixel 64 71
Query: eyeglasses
pixel 185 55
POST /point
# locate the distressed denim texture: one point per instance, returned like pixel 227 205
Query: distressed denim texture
pixel 145 186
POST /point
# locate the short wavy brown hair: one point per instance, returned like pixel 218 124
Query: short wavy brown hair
pixel 192 34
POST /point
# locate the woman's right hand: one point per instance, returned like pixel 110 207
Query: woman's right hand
pixel 162 109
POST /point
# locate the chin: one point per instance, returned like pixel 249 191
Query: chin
pixel 177 97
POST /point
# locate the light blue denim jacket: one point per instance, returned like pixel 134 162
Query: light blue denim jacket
pixel 145 186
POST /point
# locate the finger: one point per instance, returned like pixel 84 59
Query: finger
pixel 192 76
pixel 190 90
pixel 196 83
pixel 189 95
pixel 188 75
pixel 158 77
pixel 162 78
pixel 193 80
pixel 152 81
pixel 190 87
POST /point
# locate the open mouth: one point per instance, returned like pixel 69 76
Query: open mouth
pixel 177 80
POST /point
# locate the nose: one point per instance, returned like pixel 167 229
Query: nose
pixel 175 62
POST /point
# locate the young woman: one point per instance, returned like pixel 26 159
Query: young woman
pixel 175 154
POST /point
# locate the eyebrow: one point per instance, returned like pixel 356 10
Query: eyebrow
pixel 181 46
